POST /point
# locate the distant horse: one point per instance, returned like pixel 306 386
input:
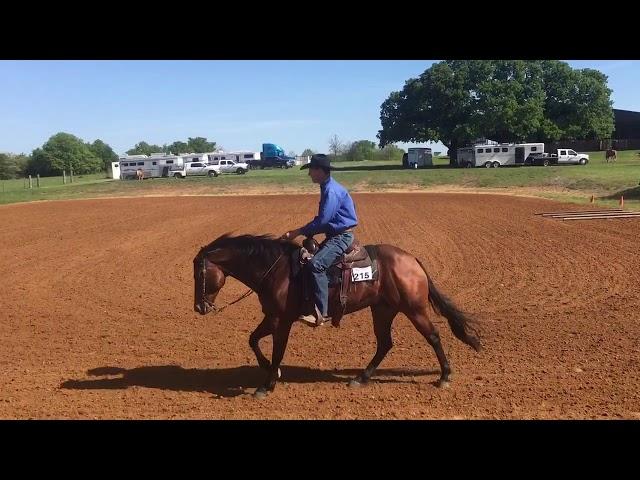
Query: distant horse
pixel 139 174
pixel 611 155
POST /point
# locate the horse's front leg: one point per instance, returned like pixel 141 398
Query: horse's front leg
pixel 280 339
pixel 264 329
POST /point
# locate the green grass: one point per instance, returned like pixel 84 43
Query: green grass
pixel 570 182
pixel 17 190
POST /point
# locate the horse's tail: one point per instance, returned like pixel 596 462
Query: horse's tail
pixel 462 326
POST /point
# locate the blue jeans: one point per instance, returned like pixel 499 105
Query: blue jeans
pixel 328 253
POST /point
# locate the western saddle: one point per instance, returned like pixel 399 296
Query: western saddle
pixel 356 256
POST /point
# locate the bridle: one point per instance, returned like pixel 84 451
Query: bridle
pixel 210 306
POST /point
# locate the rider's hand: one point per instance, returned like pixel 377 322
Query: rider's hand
pixel 290 235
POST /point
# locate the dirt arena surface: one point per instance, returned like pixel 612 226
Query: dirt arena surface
pixel 97 313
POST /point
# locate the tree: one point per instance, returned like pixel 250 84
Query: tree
pixel 178 147
pixel 12 166
pixel 308 152
pixel 361 150
pixel 200 145
pixel 291 153
pixel 38 163
pixel 21 161
pixel 343 152
pixel 389 153
pixel 104 152
pixel 578 102
pixel 7 166
pixel 193 145
pixel 458 101
pixel 61 152
pixel 143 148
pixel 335 146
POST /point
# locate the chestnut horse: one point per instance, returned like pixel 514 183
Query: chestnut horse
pixel 264 264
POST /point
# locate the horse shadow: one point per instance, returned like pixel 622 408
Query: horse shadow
pixel 224 382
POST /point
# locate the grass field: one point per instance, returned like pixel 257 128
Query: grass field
pixel 573 183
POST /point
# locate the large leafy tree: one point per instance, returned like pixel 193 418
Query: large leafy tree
pixel 457 101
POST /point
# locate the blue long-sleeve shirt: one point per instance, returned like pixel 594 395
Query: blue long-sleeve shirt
pixel 336 213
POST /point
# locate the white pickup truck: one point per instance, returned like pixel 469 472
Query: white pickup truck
pixel 229 166
pixel 194 168
pixel 212 169
pixel 563 156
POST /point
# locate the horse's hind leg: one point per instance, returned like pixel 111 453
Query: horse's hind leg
pixel 383 316
pixel 421 321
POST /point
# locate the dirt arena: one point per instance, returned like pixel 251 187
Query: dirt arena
pixel 97 313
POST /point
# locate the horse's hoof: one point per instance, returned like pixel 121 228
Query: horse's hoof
pixel 443 383
pixel 279 374
pixel 357 383
pixel 259 394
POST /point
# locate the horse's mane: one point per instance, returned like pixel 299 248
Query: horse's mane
pixel 263 246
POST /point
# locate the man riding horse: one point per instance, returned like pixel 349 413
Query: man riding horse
pixel 399 283
pixel 336 219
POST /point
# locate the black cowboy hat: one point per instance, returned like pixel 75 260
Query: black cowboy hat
pixel 318 160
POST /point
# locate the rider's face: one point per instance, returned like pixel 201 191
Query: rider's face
pixel 317 175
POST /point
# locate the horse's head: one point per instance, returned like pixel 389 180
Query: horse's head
pixel 208 279
pixel 248 258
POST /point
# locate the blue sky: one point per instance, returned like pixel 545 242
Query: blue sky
pixel 238 104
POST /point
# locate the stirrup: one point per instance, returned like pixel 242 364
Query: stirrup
pixel 310 320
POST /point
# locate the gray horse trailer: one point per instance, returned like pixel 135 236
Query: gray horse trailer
pixel 498 155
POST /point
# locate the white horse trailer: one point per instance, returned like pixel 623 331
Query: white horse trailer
pixel 239 156
pixel 152 167
pixel 195 157
pixel 497 155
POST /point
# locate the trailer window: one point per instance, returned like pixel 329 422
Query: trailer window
pixel 496 150
pixel 169 162
pixel 248 156
pixel 480 150
pixel 504 149
pixel 534 149
pixel 154 163
pixel 141 164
